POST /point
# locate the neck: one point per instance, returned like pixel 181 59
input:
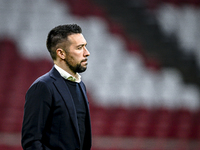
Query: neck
pixel 66 68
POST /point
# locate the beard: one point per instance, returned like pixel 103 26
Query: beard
pixel 77 68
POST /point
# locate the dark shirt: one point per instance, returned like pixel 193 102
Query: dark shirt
pixel 80 106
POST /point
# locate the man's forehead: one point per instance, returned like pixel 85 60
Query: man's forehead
pixel 77 38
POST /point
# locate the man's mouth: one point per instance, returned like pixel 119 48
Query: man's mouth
pixel 85 60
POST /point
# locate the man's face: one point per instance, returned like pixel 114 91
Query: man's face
pixel 77 53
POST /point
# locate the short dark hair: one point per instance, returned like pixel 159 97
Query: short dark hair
pixel 58 34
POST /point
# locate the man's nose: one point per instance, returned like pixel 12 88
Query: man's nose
pixel 86 52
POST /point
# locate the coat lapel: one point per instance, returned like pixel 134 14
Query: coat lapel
pixel 84 93
pixel 87 104
pixel 64 91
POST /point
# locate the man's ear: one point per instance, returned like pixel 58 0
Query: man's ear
pixel 61 53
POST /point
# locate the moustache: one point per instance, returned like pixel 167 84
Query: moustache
pixel 84 60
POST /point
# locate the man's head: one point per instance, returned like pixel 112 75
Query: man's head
pixel 58 35
pixel 67 47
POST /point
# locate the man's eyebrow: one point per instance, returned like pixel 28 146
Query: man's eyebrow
pixel 82 45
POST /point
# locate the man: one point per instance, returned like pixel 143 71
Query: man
pixel 56 111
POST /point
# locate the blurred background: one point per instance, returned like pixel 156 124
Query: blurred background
pixel 143 76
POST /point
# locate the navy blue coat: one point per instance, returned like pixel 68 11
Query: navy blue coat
pixel 50 118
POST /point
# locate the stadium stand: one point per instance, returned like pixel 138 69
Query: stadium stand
pixel 151 109
pixel 142 20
